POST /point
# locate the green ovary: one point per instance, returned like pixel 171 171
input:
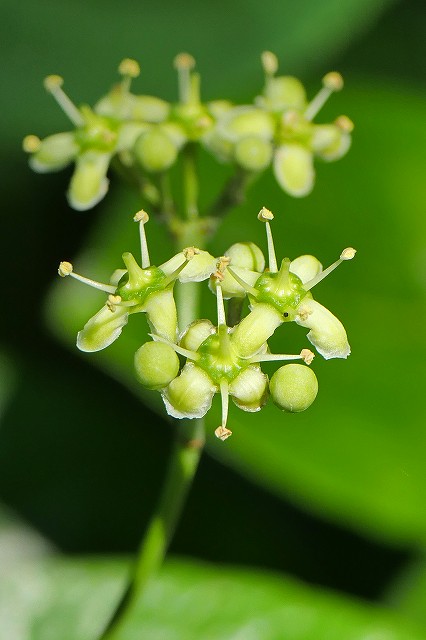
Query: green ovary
pixel 149 281
pixel 283 290
pixel 219 359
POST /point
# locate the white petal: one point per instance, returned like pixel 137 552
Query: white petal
pixel 101 330
pixel 190 394
pixel 293 169
pixel 199 268
pixel 306 267
pixel 327 333
pixel 89 183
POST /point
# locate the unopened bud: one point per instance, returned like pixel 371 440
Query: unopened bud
pixel 156 365
pixel 293 387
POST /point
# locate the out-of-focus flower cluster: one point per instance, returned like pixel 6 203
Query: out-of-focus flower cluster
pixel 188 365
pixel 145 135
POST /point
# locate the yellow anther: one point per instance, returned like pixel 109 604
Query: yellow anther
pixel 31 144
pixel 304 313
pixel 141 216
pixel 129 68
pixel 65 269
pixel 291 118
pixel 112 302
pixel 307 355
pixel 190 252
pixel 269 63
pixel 347 254
pixel 222 433
pixel 265 215
pixel 344 123
pixel 184 61
pixel 53 82
pixel 333 81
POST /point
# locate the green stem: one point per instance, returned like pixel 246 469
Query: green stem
pixel 187 449
pixel 233 193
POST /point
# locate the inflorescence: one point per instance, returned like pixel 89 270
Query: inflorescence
pixel 217 358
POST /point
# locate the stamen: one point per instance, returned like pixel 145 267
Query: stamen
pixel 66 269
pixel 269 63
pixel 31 144
pixel 116 301
pixel 222 432
pixel 188 254
pixel 184 63
pixel 186 353
pixel 251 290
pixel 53 84
pixel 347 254
pixel 129 69
pixel 332 82
pixel 306 355
pixel 265 215
pixel 142 217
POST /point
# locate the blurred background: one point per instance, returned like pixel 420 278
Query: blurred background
pixel 335 497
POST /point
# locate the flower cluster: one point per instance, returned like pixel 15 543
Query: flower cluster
pixel 217 358
pixel 145 134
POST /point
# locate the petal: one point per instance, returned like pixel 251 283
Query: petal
pixel 190 394
pixel 250 389
pixel 282 93
pixel 327 333
pixel 89 183
pixel 338 149
pixel 306 267
pixel 161 313
pixel 255 329
pixel 293 169
pixel 199 268
pixel 55 153
pixel 101 330
pixel 231 288
pixel 246 120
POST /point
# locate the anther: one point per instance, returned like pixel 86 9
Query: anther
pixel 344 123
pixel 184 61
pixel 222 433
pixel 53 82
pixel 265 215
pixel 129 68
pixel 31 144
pixel 141 216
pixel 348 253
pixel 190 252
pixel 269 63
pixel 112 302
pixel 65 269
pixel 333 81
pixel 304 313
pixel 307 356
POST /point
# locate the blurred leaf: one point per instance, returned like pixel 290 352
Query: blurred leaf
pixel 407 594
pixel 68 599
pixel 358 453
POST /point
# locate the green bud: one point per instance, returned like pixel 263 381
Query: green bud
pixel 155 151
pixel 250 389
pixel 196 333
pixel 156 365
pixel 246 255
pixel 284 92
pixel 54 153
pixel 150 109
pixel 190 394
pixel 243 121
pixel 293 387
pixel 253 153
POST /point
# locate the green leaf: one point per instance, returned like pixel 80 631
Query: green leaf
pixel 73 598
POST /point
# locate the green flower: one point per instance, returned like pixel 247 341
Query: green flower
pixel 137 289
pixel 217 362
pixel 284 295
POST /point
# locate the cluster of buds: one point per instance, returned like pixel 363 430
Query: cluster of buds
pixel 188 365
pixel 145 134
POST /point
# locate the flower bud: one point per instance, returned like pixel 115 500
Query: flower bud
pixel 196 333
pixel 155 151
pixel 150 109
pixel 253 153
pixel 293 387
pixel 250 389
pixel 190 394
pixel 246 255
pixel 243 121
pixel 284 92
pixel 156 365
